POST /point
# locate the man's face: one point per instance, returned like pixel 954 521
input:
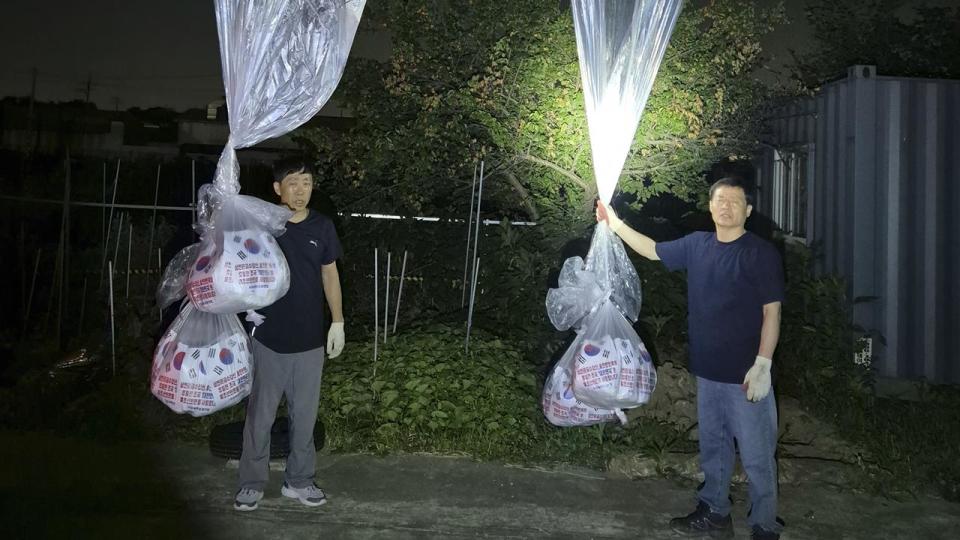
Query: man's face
pixel 295 190
pixel 729 207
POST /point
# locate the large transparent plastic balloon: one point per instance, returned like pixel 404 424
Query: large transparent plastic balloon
pixel 282 60
pixel 620 45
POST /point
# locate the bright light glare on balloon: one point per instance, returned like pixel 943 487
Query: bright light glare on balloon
pixel 620 44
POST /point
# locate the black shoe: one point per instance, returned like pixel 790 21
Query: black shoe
pixel 761 534
pixel 703 523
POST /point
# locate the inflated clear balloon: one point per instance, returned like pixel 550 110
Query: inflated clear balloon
pixel 620 45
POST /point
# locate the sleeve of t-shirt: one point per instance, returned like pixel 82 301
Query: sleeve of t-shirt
pixel 770 270
pixel 674 253
pixel 331 244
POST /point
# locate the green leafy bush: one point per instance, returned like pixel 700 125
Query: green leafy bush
pixel 426 394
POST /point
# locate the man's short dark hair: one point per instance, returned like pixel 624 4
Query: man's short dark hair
pixel 292 165
pixel 733 181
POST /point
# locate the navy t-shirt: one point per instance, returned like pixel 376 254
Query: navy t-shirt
pixel 728 284
pixel 295 323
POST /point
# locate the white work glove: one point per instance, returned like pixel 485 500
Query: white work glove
pixel 335 340
pixel 757 381
pixel 254 317
pixel 605 213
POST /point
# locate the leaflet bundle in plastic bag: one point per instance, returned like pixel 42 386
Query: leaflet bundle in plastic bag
pixel 608 365
pixel 202 364
pixel 239 265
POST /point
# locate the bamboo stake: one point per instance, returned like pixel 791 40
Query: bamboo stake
pixel 466 256
pixel 193 191
pixel 386 300
pixel 33 285
pixel 129 250
pixel 476 234
pixel 106 241
pixel 116 247
pixel 113 345
pixel 403 270
pixel 103 211
pixel 57 268
pixel 153 227
pixel 473 294
pixel 159 272
pixel 376 309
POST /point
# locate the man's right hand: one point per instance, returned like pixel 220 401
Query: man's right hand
pixel 604 213
pixel 644 245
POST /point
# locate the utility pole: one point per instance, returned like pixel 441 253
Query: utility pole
pixel 89 82
pixel 33 97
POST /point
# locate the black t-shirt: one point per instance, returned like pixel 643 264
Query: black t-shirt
pixel 295 323
pixel 728 283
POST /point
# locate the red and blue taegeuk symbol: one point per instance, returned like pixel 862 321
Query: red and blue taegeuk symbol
pixel 202 263
pixel 591 349
pixel 226 357
pixel 178 360
pixel 252 246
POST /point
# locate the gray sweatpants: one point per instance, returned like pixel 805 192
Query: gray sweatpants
pixel 298 376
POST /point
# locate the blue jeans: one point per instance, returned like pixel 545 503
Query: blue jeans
pixel 725 415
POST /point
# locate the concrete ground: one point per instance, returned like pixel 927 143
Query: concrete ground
pixel 52 487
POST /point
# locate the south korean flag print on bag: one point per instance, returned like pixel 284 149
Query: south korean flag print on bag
pixel 562 408
pixel 612 367
pixel 202 364
pixel 249 272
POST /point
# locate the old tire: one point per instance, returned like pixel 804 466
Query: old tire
pixel 226 440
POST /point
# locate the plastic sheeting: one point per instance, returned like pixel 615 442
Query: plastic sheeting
pixel 585 285
pixel 620 45
pixel 282 60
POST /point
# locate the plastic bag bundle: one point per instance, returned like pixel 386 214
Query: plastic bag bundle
pixel 173 284
pixel 202 364
pixel 607 365
pixel 612 368
pixel 239 265
pixel 561 406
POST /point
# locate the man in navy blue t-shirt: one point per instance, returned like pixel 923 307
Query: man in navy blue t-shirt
pixel 735 288
pixel 288 346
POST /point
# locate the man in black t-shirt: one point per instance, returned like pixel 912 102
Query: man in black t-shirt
pixel 288 346
pixel 735 289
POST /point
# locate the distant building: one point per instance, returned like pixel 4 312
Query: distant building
pixel 48 128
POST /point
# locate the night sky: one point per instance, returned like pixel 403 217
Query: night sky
pixel 162 53
pixel 136 53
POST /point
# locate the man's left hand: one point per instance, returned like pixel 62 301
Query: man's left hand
pixel 335 339
pixel 757 381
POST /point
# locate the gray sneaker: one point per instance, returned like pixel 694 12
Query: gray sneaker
pixel 310 495
pixel 247 499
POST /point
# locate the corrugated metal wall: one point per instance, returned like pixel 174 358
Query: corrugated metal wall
pixel 884 208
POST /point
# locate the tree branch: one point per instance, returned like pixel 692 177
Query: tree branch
pixel 523 192
pixel 549 164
